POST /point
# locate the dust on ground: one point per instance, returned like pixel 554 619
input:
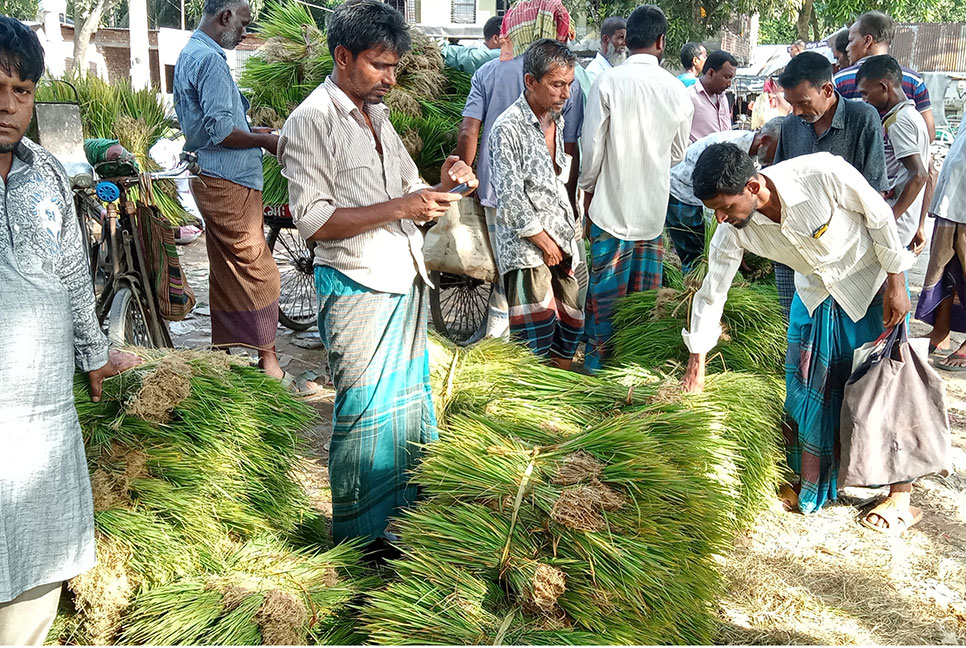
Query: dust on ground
pixel 792 579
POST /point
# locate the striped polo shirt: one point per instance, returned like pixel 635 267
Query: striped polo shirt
pixel 913 85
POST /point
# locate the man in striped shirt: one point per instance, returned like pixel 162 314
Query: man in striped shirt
pixel 820 216
pixel 870 35
pixel 355 190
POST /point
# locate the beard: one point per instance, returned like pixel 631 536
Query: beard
pixel 811 119
pixel 230 40
pixel 555 114
pixel 614 56
pixel 9 147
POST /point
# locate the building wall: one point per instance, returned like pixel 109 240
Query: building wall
pixel 439 13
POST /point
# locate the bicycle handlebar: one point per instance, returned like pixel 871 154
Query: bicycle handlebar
pixel 188 162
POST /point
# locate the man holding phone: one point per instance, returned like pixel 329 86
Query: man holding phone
pixel 355 190
pixel 536 233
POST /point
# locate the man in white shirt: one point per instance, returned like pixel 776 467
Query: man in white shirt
pixel 906 145
pixel 820 216
pixel 636 127
pixel 613 50
pixel 685 213
pixel 356 192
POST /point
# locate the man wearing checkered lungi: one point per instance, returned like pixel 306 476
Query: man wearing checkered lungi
pixel 637 125
pixel 536 232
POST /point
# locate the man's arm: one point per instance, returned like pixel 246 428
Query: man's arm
pixel 682 139
pixel 473 114
pixel 850 190
pixel 573 123
pixel 468 140
pixel 724 259
pixel 215 90
pixel 917 180
pixel 593 136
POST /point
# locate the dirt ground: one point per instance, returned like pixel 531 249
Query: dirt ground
pixel 821 579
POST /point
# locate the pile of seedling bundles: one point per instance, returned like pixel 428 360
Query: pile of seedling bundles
pixel 560 508
pixel 204 535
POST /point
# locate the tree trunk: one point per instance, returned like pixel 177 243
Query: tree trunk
pixel 804 18
pixel 85 26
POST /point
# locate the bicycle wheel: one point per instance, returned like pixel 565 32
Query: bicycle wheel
pixel 298 303
pixel 127 323
pixel 459 306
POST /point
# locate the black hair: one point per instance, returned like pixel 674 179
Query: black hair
pixel 611 25
pixel 645 26
pixel 807 66
pixel 492 27
pixel 689 52
pixel 717 59
pixel 20 50
pixel 543 54
pixel 359 25
pixel 840 41
pixel 215 7
pixel 722 169
pixel 880 67
pixel 877 25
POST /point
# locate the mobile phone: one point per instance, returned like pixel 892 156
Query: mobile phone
pixel 462 189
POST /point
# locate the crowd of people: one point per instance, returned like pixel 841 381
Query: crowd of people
pixel 617 154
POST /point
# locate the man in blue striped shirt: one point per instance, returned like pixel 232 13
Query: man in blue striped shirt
pixel 243 279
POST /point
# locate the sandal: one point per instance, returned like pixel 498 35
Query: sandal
pixel 948 367
pixel 299 386
pixel 896 519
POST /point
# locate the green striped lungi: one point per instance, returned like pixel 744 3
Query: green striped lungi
pixel 376 344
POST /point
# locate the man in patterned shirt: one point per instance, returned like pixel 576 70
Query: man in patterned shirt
pixel 47 316
pixel 536 234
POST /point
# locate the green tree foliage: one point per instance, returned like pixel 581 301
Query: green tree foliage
pixel 20 9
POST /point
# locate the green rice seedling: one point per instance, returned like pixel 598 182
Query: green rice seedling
pixel 263 592
pixel 648 330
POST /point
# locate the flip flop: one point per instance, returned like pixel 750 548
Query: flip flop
pixel 897 519
pixel 299 386
pixel 947 367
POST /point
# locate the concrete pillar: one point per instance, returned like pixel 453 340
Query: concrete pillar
pixel 54 47
pixel 138 36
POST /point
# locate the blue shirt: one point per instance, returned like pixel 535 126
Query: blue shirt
pixel 912 85
pixel 210 107
pixel 495 87
pixel 688 79
pixel 855 134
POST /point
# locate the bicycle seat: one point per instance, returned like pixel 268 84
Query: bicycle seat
pixel 80 174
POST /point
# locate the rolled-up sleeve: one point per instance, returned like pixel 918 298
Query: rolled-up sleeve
pixel 854 193
pixel 724 258
pixel 308 166
pixel 215 91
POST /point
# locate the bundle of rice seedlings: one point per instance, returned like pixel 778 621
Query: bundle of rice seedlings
pixel 190 454
pixel 565 508
pixel 136 118
pixel 265 592
pixel 648 330
pixel 426 104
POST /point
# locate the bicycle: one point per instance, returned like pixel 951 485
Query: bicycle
pixel 125 299
pixel 298 303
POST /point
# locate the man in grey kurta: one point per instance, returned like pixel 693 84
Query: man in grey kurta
pixel 49 327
